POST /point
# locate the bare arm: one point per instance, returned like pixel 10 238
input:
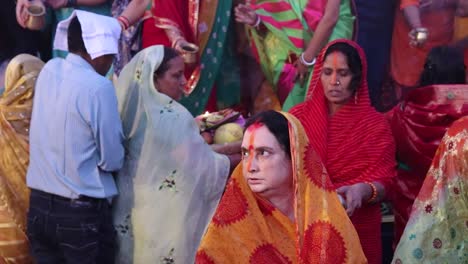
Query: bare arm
pixel 135 10
pixel 324 29
pixel 321 36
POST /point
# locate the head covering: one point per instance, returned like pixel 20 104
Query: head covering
pixel 15 114
pixel 249 229
pixel 100 33
pixel 418 125
pixel 437 229
pixel 355 144
pixel 171 181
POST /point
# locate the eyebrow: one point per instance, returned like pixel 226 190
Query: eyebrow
pixel 244 149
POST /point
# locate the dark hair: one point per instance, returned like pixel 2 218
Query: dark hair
pixel 277 124
pixel 354 62
pixel 75 37
pixel 444 65
pixel 169 54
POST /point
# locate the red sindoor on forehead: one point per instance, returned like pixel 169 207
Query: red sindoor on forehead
pixel 252 129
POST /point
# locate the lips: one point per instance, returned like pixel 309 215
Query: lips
pixel 254 181
pixel 334 93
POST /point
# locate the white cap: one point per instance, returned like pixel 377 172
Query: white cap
pixel 100 33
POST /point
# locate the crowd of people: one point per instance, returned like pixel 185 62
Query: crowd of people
pixel 348 104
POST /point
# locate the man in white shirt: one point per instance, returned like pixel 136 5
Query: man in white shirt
pixel 75 145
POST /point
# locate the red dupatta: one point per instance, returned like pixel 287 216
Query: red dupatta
pixel 355 144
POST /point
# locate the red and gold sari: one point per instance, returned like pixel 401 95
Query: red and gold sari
pixel 355 144
pixel 418 125
pixel 248 229
pixel 15 114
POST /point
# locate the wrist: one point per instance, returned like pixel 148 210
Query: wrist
pixel 307 62
pixel 257 21
pixel 373 193
pixel 124 22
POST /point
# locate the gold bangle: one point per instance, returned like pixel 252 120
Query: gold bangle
pixel 374 193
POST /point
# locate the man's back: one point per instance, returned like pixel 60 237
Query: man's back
pixel 75 137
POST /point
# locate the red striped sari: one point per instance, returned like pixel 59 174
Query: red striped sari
pixel 355 144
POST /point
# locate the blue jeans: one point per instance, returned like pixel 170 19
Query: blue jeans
pixel 62 230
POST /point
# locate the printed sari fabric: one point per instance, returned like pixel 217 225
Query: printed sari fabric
pixel 15 114
pixel 437 230
pixel 407 62
pixel 171 181
pixel 287 26
pixel 248 229
pixel 214 79
pixel 355 144
pixel 418 125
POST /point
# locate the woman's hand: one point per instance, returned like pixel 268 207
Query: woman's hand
pixel 301 72
pixel 355 195
pixel 245 14
pixel 418 36
pixel 21 14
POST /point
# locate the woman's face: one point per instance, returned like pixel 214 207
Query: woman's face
pixel 336 78
pixel 172 82
pixel 266 167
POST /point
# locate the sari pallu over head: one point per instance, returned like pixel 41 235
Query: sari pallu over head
pixel 208 25
pixel 355 144
pixel 437 230
pixel 171 181
pixel 248 229
pixel 290 25
pixel 418 125
pixel 15 114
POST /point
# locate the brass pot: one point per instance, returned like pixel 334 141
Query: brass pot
pixel 36 19
pixel 190 53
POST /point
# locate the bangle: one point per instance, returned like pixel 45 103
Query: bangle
pixel 303 61
pixel 124 21
pixel 374 193
pixel 71 3
pixel 257 22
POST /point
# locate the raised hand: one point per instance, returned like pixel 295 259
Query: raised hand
pixel 245 14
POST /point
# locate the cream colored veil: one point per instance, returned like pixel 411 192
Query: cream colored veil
pixel 171 181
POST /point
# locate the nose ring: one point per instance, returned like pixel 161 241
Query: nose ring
pixel 338 83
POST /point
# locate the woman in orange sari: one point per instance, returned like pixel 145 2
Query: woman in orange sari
pixel 15 114
pixel 279 206
pixel 352 139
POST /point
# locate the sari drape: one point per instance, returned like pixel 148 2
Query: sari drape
pixel 418 125
pixel 171 181
pixel 207 24
pixel 290 24
pixel 355 144
pixel 15 114
pixel 407 62
pixel 437 230
pixel 249 229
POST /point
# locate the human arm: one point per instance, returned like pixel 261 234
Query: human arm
pixel 107 128
pixel 357 195
pixel 418 34
pixel 321 36
pixel 134 11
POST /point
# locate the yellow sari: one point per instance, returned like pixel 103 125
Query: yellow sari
pixel 15 114
pixel 248 229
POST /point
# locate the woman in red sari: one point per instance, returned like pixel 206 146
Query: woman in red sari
pixel 420 121
pixel 353 140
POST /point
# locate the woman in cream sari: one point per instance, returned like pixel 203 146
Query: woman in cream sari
pixel 15 114
pixel 171 181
